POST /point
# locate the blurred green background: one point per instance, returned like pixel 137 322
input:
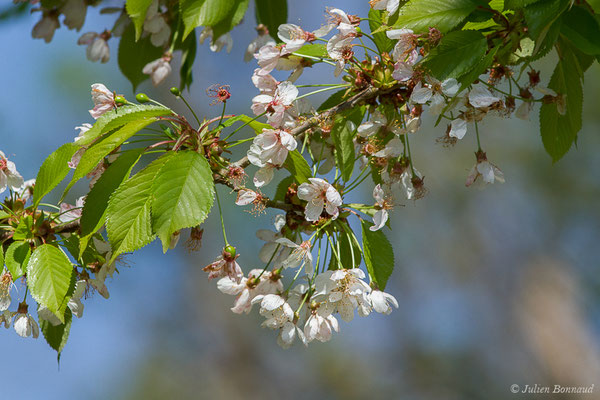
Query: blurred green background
pixel 496 287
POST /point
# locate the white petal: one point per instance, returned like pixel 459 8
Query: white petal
pixel 420 94
pixel 480 96
pixel 458 128
pixel 379 220
pixel 313 209
pixel 22 326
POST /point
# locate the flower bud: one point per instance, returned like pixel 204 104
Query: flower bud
pixel 175 91
pixel 142 98
pixel 120 100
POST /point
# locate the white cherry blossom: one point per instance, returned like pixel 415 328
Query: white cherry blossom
pixel 319 194
pixel 382 203
pixel 484 171
pixel 434 91
pixel 406 47
pixel 97 47
pixel 320 328
pixel 262 39
pixel 225 265
pixel 25 325
pixel 300 256
pixel 9 176
pixel 411 192
pixel 382 302
pixel 393 149
pixel 349 292
pixel 375 123
pixel 389 5
pixel 268 151
pixel 268 56
pixel 339 48
pixel 248 288
pixel 69 213
pixel 341 19
pixel 245 197
pixel 157 26
pixel 264 82
pixel 158 69
pixel 275 104
pixel 275 309
pixel 480 96
pixel 104 100
pixel 295 37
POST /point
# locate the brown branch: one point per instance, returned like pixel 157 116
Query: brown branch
pixel 352 102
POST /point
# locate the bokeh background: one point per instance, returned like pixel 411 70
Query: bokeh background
pixel 496 287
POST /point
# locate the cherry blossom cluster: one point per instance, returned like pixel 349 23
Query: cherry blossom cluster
pixel 404 92
pixel 310 264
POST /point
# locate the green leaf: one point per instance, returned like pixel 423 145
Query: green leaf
pixel 517 4
pixel 54 169
pixel 231 20
pixel 298 167
pixel 333 100
pixel 420 15
pixel 128 219
pixel 96 202
pixel 546 41
pixel 16 258
pixel 74 243
pixel 271 13
pixel 560 131
pixel 57 336
pixel 541 15
pixel 183 192
pixel 457 54
pixel 188 55
pixel 115 119
pixel 50 279
pixel 2 258
pixel 343 133
pixel 480 68
pixel 95 154
pixel 347 247
pixel 196 13
pixel 582 29
pixel 257 126
pixel 595 4
pixel 313 50
pixel 134 55
pixel 378 253
pixel 24 230
pixel 137 9
pixel 282 188
pixel 383 43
